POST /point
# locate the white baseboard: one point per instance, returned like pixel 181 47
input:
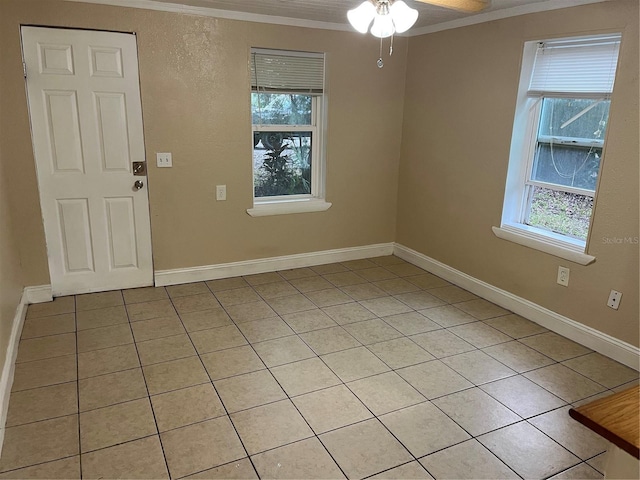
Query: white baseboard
pixel 39 294
pixel 589 337
pixel 8 369
pixel 272 264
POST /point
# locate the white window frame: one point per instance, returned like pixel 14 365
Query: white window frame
pixel 303 203
pixel 519 183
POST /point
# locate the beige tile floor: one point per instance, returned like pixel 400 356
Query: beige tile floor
pixel 370 368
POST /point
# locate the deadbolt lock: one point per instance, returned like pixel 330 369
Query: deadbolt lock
pixel 140 169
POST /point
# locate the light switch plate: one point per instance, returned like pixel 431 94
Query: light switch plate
pixel 164 160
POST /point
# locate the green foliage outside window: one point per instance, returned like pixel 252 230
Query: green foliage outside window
pixel 286 166
pixel 282 159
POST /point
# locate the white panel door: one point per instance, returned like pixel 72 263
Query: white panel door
pixel 86 122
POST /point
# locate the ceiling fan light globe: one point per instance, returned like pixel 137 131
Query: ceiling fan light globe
pixel 403 16
pixel 382 26
pixel 361 17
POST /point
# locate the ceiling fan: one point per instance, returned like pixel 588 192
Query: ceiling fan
pixel 395 16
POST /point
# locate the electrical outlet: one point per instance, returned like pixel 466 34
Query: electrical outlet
pixel 164 160
pixel 221 192
pixel 614 299
pixel 563 276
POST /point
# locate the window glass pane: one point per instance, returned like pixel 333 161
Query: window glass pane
pixel 560 212
pixel 565 165
pixel 281 163
pixel 280 109
pixel 570 139
pixel 591 122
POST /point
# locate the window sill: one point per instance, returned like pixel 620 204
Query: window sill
pixel 548 244
pixel 287 207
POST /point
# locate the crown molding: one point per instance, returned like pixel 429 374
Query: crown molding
pixel 219 13
pixel 345 27
pixel 500 14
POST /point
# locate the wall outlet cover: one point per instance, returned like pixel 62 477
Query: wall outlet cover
pixel 614 299
pixel 221 192
pixel 563 276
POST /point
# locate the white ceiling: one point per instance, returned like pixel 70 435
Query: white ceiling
pixel 332 14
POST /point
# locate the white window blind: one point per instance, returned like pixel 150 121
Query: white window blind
pixel 569 66
pixel 275 70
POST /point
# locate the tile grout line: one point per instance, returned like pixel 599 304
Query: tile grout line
pixel 471 436
pixel 325 328
pixel 227 414
pixel 522 419
pixel 374 416
pixel 517 373
pixel 427 400
pixel 399 466
pixel 559 444
pixel 114 445
pixel 475 349
pixel 75 319
pixel 315 435
pixel 144 377
pixel 4 472
pixel 288 397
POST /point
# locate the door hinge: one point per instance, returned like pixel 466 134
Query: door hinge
pixel 24 69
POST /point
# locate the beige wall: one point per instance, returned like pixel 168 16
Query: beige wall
pixel 10 272
pixel 460 96
pixel 460 100
pixel 195 98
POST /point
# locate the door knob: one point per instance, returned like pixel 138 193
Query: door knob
pixel 138 184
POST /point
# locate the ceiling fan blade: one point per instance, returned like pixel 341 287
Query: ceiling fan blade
pixel 462 5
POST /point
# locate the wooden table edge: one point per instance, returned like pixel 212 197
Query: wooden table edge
pixel 605 433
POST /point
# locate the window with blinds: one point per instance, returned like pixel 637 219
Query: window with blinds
pixel 559 138
pixel 297 72
pixel 575 66
pixel 287 92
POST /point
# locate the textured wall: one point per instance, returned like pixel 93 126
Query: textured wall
pixel 10 272
pixel 458 111
pixel 459 106
pixel 195 99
